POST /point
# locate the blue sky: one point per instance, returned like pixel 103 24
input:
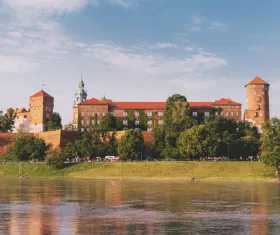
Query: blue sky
pixel 137 50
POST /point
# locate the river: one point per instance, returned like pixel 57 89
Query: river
pixel 138 207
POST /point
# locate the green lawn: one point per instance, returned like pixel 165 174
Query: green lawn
pixel 143 170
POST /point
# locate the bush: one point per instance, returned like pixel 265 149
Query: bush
pixel 26 147
pixel 54 158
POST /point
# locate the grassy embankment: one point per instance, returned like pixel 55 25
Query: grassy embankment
pixel 143 170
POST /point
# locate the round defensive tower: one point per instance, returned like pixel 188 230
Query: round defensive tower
pixel 257 92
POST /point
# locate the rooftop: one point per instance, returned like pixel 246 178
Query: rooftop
pixel 41 94
pixel 225 101
pixel 257 81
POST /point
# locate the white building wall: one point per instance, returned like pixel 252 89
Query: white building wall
pixel 37 128
pixel 21 124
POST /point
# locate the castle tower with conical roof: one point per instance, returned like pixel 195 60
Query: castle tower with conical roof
pixel 257 91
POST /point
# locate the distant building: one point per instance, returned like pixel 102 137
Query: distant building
pixel 257 112
pixel 34 120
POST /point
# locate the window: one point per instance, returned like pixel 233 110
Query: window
pixel 97 122
pixel 260 99
pixel 160 114
pixel 149 114
pixel 136 114
pixel 226 113
pixel 82 114
pixel 48 115
pixel 150 122
pixel 216 113
pixel 256 114
pixel 160 122
pixel 92 122
pixel 254 86
pixel 222 114
pixel 237 114
pixel 124 122
pixel 87 113
pixel 231 114
pixel 98 114
pixel 259 107
pixel 194 114
pixel 137 123
pixel 87 122
pixel 260 114
pixel 93 106
pixel 125 114
pixel 92 114
pixel 113 114
pixel 206 114
pixel 82 122
pixel 150 129
pixel 82 107
pixel 103 114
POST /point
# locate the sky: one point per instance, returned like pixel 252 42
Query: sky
pixel 137 50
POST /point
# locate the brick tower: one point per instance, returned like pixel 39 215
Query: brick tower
pixel 41 108
pixel 257 92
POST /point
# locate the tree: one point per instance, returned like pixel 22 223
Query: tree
pixel 55 158
pixel 110 123
pixel 54 123
pixel 157 145
pixel 7 120
pixel 197 142
pixel 270 144
pixel 130 145
pixel 26 147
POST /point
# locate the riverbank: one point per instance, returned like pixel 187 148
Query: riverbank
pixel 143 170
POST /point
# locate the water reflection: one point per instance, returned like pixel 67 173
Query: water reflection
pixel 138 207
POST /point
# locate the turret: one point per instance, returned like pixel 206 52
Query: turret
pixel 257 91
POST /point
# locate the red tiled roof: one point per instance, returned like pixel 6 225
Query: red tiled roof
pixel 153 105
pixel 257 81
pixel 92 101
pixel 225 101
pixel 200 104
pixel 40 94
pixel 138 105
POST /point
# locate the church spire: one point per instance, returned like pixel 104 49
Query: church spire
pixel 81 94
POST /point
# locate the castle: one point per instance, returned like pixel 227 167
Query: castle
pixel 87 112
pixel 34 120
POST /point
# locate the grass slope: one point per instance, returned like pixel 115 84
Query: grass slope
pixel 143 170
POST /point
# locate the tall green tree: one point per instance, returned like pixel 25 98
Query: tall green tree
pixel 54 123
pixel 197 142
pixel 7 120
pixel 110 123
pixel 26 147
pixel 157 145
pixel 270 144
pixel 130 145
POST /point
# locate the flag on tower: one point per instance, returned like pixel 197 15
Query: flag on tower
pixel 44 84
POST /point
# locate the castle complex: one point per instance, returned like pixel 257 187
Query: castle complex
pixel 90 112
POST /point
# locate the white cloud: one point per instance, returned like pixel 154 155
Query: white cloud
pixel 124 3
pixel 193 28
pixel 218 26
pixel 14 34
pixel 187 48
pixel 127 59
pixel 162 46
pixel 256 48
pixel 48 5
pixel 15 64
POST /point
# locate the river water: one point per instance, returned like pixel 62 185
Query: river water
pixel 138 207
